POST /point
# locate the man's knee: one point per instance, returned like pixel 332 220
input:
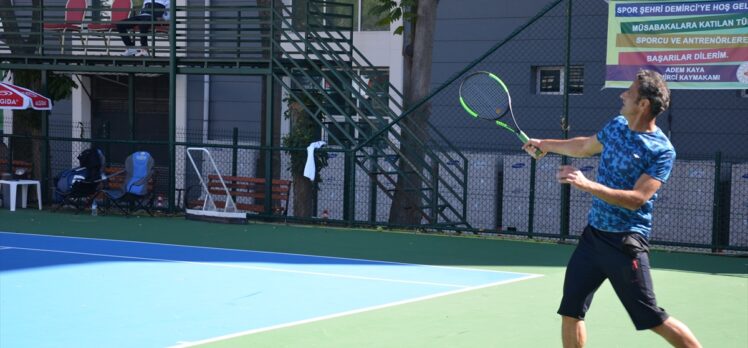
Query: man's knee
pixel 570 320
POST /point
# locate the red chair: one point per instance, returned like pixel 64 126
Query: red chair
pixel 75 11
pixel 120 11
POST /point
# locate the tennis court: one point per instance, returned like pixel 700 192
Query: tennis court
pixel 162 282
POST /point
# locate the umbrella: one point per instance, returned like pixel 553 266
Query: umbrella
pixel 18 98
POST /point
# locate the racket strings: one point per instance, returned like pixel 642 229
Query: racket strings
pixel 485 96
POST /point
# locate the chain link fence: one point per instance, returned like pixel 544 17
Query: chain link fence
pixel 703 205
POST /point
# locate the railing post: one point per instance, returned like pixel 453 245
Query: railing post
pixel 716 207
pixel 239 33
pixel 41 28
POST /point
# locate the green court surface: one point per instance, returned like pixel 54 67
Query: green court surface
pixel 709 293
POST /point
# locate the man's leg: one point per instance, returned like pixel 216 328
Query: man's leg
pixel 582 279
pixel 145 30
pixel 677 334
pixel 634 287
pixel 123 29
pixel 573 332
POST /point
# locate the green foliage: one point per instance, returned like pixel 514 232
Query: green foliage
pixel 58 86
pixel 304 131
pixel 391 11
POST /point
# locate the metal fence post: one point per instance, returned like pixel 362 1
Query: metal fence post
pixel 531 210
pixel 234 151
pixel 716 210
pixel 130 110
pixel 45 143
pixel 435 194
pixel 172 103
pixel 566 189
pixel 349 182
pixel 108 137
pixel 373 187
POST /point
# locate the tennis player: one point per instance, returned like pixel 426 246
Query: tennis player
pixel 636 160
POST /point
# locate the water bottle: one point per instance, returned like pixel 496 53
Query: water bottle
pixel 93 208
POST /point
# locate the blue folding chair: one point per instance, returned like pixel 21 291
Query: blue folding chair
pixel 135 191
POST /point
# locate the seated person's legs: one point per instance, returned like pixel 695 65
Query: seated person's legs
pixel 144 29
pixel 124 28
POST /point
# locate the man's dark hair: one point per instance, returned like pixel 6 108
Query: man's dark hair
pixel 652 86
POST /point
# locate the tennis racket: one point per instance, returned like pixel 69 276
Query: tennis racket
pixel 484 95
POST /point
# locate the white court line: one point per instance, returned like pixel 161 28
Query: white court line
pixel 271 269
pixel 267 252
pixel 341 314
pixel 461 288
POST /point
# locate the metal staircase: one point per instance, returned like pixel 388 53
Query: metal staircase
pixel 338 95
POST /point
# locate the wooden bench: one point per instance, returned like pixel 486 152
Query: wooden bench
pixel 247 193
pixel 17 164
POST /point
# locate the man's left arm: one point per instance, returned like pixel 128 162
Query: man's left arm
pixel 633 199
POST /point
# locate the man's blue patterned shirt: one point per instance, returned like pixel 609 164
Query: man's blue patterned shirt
pixel 626 156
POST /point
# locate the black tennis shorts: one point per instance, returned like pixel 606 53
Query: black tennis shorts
pixel 623 258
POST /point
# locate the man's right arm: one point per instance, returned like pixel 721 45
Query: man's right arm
pixel 574 147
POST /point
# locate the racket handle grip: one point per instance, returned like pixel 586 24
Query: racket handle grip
pixel 522 136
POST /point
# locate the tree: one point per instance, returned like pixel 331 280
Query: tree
pixel 420 18
pixel 304 131
pixel 29 122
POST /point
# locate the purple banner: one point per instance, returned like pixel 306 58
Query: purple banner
pixel 678 73
pixel 655 9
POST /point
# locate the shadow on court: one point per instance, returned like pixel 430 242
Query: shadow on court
pixel 334 242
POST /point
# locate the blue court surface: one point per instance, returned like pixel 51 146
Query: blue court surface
pixel 80 292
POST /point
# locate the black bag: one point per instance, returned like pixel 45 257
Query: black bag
pixel 93 160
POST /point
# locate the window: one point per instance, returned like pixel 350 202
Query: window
pixel 550 80
pixel 362 20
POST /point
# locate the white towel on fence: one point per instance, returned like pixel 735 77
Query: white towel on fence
pixel 309 168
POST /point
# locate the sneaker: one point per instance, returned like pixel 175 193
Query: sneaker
pixel 130 52
pixel 143 52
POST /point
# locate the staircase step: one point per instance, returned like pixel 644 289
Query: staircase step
pixel 439 207
pixel 391 172
pixel 423 189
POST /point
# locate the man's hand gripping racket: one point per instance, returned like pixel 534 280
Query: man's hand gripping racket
pixel 484 95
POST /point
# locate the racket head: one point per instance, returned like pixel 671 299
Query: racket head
pixel 484 95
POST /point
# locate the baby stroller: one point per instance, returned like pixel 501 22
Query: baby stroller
pixel 78 186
